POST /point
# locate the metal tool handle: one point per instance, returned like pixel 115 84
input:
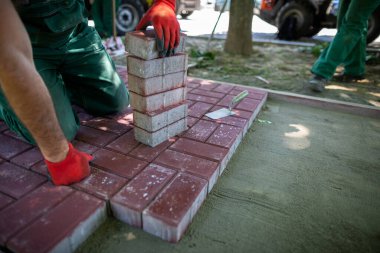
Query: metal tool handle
pixel 237 99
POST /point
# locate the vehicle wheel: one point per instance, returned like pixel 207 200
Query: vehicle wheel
pixel 303 15
pixel 373 26
pixel 313 30
pixel 128 15
pixel 184 14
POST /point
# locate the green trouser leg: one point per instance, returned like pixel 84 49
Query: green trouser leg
pixel 102 15
pixel 348 46
pixel 79 72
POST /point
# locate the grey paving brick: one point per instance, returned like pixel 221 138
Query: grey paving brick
pixel 154 138
pixel 156 120
pixel 156 67
pixel 158 101
pixel 143 44
pixel 153 85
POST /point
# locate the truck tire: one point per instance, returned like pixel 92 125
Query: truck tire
pixel 301 13
pixel 373 26
pixel 128 15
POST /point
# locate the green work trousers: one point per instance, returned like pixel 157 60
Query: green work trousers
pixel 76 70
pixel 102 14
pixel 349 44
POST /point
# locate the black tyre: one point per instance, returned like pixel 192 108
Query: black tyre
pixel 313 30
pixel 184 13
pixel 373 26
pixel 302 14
pixel 128 15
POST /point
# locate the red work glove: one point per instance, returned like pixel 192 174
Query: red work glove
pixel 163 18
pixel 73 169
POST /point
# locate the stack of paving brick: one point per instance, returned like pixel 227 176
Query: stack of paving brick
pixel 157 88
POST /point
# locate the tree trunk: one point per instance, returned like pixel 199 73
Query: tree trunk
pixel 239 37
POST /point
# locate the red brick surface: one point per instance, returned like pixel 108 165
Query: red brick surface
pixel 121 165
pixel 19 214
pixel 54 230
pixel 128 204
pixel 16 181
pixel 171 213
pixel 159 189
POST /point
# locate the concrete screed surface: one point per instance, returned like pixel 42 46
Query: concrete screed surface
pixel 303 180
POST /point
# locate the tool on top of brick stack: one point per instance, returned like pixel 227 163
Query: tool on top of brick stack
pixel 157 88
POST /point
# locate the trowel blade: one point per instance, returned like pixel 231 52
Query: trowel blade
pixel 221 113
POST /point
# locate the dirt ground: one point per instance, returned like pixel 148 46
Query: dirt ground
pixel 277 67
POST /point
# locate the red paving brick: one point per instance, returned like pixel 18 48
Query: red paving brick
pixel 200 149
pixel 225 135
pixel 5 200
pixel 142 184
pixel 198 109
pixel 201 98
pixel 200 167
pixel 147 153
pixel 63 228
pixel 201 130
pixel 127 205
pixel 101 184
pixel 10 147
pixel 19 214
pixel 28 158
pixel 124 144
pixel 94 136
pixel 122 165
pixel 16 181
pixel 171 213
pixel 114 126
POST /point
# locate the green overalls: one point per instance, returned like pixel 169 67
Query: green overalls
pixel 349 44
pixel 102 14
pixel 73 63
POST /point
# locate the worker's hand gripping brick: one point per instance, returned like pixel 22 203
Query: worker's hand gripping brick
pixel 72 169
pixel 163 18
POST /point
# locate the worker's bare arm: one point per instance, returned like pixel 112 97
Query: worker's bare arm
pixel 25 89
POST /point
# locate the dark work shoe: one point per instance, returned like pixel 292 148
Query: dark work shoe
pixel 317 83
pixel 346 78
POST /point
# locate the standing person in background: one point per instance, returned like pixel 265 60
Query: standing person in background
pixel 348 46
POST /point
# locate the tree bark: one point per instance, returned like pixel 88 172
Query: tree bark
pixel 239 36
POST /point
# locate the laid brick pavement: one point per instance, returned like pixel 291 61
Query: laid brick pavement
pixel 158 189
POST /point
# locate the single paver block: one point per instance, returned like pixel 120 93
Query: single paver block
pixel 28 158
pixel 121 165
pixel 148 153
pixel 4 201
pixel 127 205
pixel 154 138
pixel 63 228
pixel 157 101
pixel 156 67
pixel 109 125
pixel 203 168
pixel 153 121
pixel 201 130
pixel 20 213
pixel 16 181
pixel 10 147
pixel 101 184
pixel 157 84
pixel 171 213
pixel 199 109
pixel 94 136
pixel 125 143
pixel 85 147
pixel 200 149
pixel 201 98
pixel 143 44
